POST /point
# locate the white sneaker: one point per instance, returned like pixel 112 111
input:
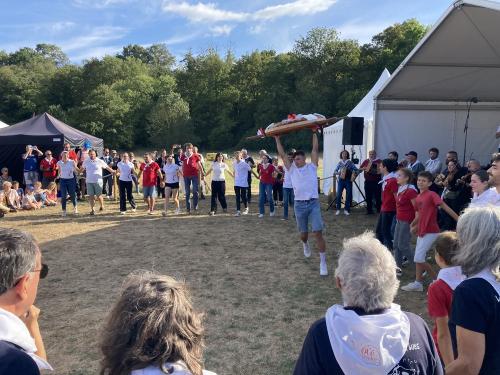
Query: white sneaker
pixel 337 213
pixel 307 249
pixel 63 214
pixel 133 209
pixel 177 211
pixel 122 212
pixel 75 210
pixel 260 215
pixel 150 212
pixel 414 286
pixel 323 269
pixel 272 213
pixel 238 213
pixel 245 211
pixel 346 213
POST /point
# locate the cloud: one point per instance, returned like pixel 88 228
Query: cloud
pixel 57 27
pixel 210 13
pixel 96 52
pixel 221 30
pixel 362 30
pixel 99 3
pixel 201 12
pixel 94 38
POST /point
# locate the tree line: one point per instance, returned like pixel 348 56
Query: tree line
pixel 143 97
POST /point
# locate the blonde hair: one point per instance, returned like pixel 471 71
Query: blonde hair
pixel 153 322
pixel 52 185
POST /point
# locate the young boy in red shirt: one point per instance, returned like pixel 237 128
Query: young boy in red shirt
pixel 440 293
pixel 388 209
pixel 426 227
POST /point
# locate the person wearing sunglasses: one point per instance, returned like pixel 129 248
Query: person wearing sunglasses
pixel 21 346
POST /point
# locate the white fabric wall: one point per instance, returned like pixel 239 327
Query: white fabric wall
pixel 404 130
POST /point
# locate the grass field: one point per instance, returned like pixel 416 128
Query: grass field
pixel 248 275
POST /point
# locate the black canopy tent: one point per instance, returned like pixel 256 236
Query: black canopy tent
pixel 44 131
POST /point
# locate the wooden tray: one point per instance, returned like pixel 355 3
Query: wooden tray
pixel 296 126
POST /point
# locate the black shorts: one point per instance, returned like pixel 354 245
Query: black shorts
pixel 174 185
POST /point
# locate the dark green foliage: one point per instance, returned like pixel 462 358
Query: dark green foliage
pixel 141 98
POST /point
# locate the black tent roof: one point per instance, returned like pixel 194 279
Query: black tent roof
pixel 47 125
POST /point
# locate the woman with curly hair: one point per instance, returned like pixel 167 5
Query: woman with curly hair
pixel 152 330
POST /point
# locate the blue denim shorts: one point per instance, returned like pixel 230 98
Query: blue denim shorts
pixel 308 212
pixel 149 191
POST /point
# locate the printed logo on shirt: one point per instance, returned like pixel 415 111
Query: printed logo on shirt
pixel 415 346
pixel 370 354
pixel 400 370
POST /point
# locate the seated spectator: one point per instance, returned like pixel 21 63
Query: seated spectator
pixel 494 173
pixel 21 346
pixel 414 165
pixel 433 164
pixel 5 175
pixel 8 198
pixel 475 313
pixel 152 330
pixel 20 193
pixel 51 194
pixel 29 200
pixel 367 334
pixel 40 194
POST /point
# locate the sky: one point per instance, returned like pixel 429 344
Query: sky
pixel 94 28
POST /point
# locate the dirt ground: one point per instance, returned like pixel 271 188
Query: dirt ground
pixel 248 275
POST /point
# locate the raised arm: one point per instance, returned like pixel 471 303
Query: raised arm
pixel 315 148
pixel 281 152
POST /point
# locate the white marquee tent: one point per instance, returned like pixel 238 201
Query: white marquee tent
pixel 3 124
pixel 332 138
pixel 424 103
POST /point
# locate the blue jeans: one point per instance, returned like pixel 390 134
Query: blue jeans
pixel 187 186
pixel 347 185
pixel 288 198
pixel 265 190
pixel 68 186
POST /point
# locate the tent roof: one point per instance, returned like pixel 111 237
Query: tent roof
pixel 46 125
pixel 3 124
pixel 459 58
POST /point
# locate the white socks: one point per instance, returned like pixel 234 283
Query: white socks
pixel 322 257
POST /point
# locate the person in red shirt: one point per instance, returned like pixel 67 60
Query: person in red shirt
pixel 405 213
pixel 389 184
pixel 278 175
pixel 191 170
pixel 426 227
pixel 265 172
pixel 372 178
pixel 48 166
pixel 149 170
pixel 440 293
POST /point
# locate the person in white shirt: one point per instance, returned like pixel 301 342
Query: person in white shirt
pixel 21 345
pixel 125 181
pixel 170 339
pixel 288 198
pixel 241 181
pixel 94 167
pixel 482 194
pixel 433 165
pixel 304 178
pixel 494 173
pixel 66 169
pixel 218 169
pixel 173 175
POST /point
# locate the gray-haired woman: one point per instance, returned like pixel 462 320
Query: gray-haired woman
pixel 368 334
pixel 475 313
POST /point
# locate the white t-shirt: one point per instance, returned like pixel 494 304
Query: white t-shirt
pixel 171 176
pixel 67 169
pixel 94 169
pixel 304 181
pixel 125 170
pixel 218 171
pixel 241 170
pixel 489 196
pixel 287 182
